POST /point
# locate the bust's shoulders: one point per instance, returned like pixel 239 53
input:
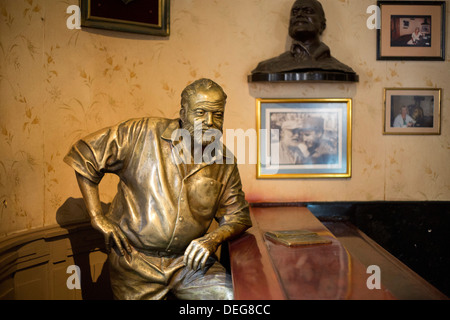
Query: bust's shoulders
pixel 320 59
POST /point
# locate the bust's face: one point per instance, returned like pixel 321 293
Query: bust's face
pixel 306 20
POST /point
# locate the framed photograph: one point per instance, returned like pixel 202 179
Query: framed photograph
pixel 136 16
pixel 411 30
pixel 304 138
pixel 412 111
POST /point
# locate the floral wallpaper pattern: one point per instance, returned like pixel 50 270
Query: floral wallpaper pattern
pixel 58 84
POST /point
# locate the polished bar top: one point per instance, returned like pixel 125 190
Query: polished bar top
pixel 264 270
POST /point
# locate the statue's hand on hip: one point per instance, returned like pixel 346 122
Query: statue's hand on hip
pixel 113 234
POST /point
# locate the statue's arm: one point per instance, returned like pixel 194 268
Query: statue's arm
pixel 233 217
pixel 113 234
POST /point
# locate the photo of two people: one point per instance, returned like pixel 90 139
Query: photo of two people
pixel 306 137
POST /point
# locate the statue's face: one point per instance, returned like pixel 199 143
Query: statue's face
pixel 306 20
pixel 206 109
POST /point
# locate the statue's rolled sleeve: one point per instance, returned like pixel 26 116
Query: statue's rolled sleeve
pixel 81 158
pixel 100 152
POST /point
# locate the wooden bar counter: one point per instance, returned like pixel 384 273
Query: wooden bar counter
pixel 266 270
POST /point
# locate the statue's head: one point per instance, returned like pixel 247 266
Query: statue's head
pixel 307 20
pixel 202 103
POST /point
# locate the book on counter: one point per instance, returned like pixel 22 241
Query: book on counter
pixel 292 238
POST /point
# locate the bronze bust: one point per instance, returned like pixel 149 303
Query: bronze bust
pixel 307 54
pixel 157 223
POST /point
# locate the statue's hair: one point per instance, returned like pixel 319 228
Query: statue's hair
pixel 205 84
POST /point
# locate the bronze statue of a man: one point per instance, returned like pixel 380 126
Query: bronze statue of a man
pixel 157 223
pixel 307 53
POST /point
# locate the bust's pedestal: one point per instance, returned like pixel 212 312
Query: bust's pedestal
pixel 307 76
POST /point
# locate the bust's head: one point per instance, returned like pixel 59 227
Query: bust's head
pixel 307 20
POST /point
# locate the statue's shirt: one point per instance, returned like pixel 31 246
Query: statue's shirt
pixel 161 204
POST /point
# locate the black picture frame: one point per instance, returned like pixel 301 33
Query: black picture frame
pixel 150 17
pixel 395 39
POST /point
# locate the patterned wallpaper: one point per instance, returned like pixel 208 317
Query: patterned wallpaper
pixel 57 85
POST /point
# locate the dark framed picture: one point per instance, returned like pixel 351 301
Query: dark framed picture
pixel 136 16
pixel 412 111
pixel 304 138
pixel 411 30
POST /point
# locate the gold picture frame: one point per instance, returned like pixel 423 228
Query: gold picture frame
pixel 150 17
pixel 304 138
pixel 412 111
